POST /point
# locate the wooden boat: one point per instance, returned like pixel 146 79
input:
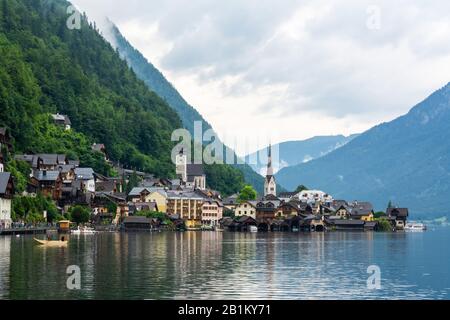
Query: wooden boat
pixel 51 243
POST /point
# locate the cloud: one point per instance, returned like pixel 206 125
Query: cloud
pixel 295 69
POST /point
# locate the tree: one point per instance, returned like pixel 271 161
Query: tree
pixel 390 205
pixel 247 193
pixel 80 214
pixel 133 182
pixel 301 188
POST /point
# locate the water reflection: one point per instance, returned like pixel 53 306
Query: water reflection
pixel 5 251
pixel 221 265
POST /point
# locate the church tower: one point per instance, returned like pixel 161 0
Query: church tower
pixel 181 165
pixel 270 185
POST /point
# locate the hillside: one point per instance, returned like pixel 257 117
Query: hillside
pixel 291 153
pixel 406 160
pixel 46 68
pixel 156 81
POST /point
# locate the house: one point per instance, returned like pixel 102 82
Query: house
pixel 286 196
pixel 288 210
pixel 212 212
pixel 43 161
pixel 267 210
pixel 398 216
pixel 136 223
pixel 343 224
pixel 314 196
pixel 62 121
pixel 342 210
pixel 100 147
pixel 87 179
pixel 6 195
pixel 49 183
pixel 246 208
pixel 157 195
pixel 231 202
pixel 361 211
pixel 187 205
pixel 135 207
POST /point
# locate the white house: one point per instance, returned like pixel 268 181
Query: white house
pixel 314 196
pixel 86 176
pixel 6 194
pixel 247 208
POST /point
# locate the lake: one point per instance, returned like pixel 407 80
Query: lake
pixel 225 265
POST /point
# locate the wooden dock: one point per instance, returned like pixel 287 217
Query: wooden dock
pixel 15 231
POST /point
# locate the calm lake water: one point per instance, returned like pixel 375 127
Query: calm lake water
pixel 222 265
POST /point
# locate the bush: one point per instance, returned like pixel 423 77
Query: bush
pixel 384 225
pixel 80 214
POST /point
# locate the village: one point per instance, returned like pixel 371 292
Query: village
pixel 184 203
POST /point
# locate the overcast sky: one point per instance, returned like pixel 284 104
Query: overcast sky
pixel 290 70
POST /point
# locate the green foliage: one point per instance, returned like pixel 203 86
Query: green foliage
pixel 228 213
pixel 223 178
pixel 80 214
pixel 247 193
pixel 162 217
pixel 379 214
pixel 20 171
pixel 112 207
pixel 47 68
pixel 301 188
pixel 30 209
pixel 133 182
pixel 384 225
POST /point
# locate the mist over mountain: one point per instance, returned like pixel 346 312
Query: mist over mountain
pixel 406 161
pixel 291 153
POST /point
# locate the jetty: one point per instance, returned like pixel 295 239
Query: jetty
pixel 24 231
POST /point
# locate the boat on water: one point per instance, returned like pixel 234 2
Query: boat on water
pixel 51 243
pixel 253 229
pixel 83 230
pixel 415 227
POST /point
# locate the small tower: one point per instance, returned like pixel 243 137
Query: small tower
pixel 270 185
pixel 181 165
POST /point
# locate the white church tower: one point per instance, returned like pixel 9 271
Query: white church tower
pixel 181 165
pixel 270 185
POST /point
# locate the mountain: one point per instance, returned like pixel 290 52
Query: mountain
pixel 291 153
pixel 45 68
pixel 156 81
pixel 406 160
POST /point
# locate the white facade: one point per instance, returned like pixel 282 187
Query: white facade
pixel 181 166
pixel 270 186
pixel 313 196
pixel 245 209
pixel 90 185
pixel 5 213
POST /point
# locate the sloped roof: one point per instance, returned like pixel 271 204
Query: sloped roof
pixel 398 212
pixel 43 175
pixel 84 173
pixel 4 179
pixel 193 169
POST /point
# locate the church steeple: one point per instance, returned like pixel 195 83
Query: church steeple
pixel 269 162
pixel 270 185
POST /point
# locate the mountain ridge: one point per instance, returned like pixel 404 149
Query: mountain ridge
pixel 405 161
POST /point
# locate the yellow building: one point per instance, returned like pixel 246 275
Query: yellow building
pixel 158 195
pixel 247 208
